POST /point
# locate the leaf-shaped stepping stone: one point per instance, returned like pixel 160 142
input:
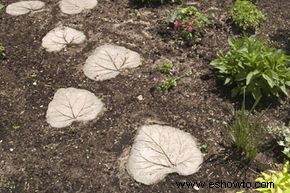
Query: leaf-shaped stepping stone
pixel 71 104
pixel 58 38
pixel 24 7
pixel 76 6
pixel 160 150
pixel 108 61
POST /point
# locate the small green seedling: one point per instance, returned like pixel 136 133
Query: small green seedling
pixel 1 7
pixel 167 68
pixel 2 52
pixel 203 148
pixel 168 83
pixel 171 76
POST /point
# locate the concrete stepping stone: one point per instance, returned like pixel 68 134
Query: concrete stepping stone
pixel 159 150
pixel 24 7
pixel 58 38
pixel 76 6
pixel 72 104
pixel 108 61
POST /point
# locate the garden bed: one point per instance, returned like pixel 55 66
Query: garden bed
pixel 90 157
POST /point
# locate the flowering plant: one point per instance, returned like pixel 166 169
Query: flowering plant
pixel 189 21
pixel 171 74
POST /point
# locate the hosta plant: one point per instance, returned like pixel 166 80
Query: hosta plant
pixel 189 22
pixel 280 180
pixel 246 15
pixel 253 66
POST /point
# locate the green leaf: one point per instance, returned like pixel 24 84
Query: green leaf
pixel 284 90
pixel 269 80
pixel 228 80
pixel 257 94
pixel 250 76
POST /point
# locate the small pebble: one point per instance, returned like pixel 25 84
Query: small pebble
pixel 140 98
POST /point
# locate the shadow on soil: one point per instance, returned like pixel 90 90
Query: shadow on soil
pixel 282 37
pixel 224 92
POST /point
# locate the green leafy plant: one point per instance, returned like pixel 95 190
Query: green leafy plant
pixel 251 65
pixel 6 185
pixel 2 52
pixel 1 7
pixel 285 142
pixel 283 134
pixel 246 15
pixel 247 134
pixel 203 148
pixel 171 77
pixel 280 180
pixel 189 22
pixel 167 68
pixel 168 83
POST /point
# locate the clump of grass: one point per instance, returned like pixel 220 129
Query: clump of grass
pixel 247 134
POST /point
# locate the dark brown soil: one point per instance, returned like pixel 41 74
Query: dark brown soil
pixel 89 158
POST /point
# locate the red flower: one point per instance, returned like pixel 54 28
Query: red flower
pixel 177 24
pixel 189 27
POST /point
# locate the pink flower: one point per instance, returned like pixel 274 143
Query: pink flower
pixel 189 27
pixel 177 24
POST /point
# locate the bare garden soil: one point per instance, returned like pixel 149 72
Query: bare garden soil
pixel 90 157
